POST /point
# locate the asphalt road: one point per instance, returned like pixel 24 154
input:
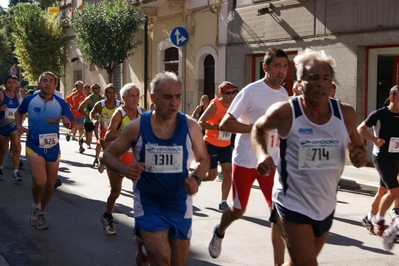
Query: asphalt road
pixel 75 236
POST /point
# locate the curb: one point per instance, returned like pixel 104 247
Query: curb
pixel 351 184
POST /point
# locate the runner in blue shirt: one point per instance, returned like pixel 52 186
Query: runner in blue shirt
pixel 45 110
pixel 164 143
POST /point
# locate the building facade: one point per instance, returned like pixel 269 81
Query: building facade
pixel 226 40
pixel 361 35
pixel 198 57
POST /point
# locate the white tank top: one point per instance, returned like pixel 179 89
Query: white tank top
pixel 312 160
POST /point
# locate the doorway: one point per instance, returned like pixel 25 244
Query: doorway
pixel 382 75
pixel 209 76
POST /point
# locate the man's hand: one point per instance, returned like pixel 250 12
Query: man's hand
pixel 3 107
pixel 66 122
pixel 190 185
pixel 358 157
pixel 133 170
pixel 265 165
pixel 379 142
pixel 22 130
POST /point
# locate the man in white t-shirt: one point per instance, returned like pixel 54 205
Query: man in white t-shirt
pixel 250 104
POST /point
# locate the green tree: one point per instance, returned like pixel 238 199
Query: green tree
pixel 7 58
pixel 38 40
pixel 105 32
pixel 16 2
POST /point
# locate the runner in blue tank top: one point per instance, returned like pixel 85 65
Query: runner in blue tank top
pixel 164 143
pixel 9 102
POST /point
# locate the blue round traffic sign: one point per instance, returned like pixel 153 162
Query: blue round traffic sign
pixel 179 36
pixel 13 71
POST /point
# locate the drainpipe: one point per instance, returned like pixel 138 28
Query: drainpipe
pixel 146 62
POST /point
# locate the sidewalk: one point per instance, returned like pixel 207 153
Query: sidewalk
pixel 364 179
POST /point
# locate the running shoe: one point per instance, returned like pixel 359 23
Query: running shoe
pixel 108 225
pixel 101 165
pixel 81 149
pixel 41 222
pixel 379 227
pixel 95 163
pixel 369 226
pixel 68 137
pixel 394 212
pixel 17 177
pixel 74 138
pixel 32 217
pixel 215 246
pixel 1 174
pixel 141 253
pixel 223 206
pixel 220 176
pixel 57 183
pixel 389 236
pixel 81 142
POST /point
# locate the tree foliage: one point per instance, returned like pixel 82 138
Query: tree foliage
pixel 38 40
pixel 7 58
pixel 16 2
pixel 105 32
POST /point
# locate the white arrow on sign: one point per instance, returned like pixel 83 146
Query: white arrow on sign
pixel 179 37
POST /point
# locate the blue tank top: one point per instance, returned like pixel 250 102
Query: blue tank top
pixel 8 117
pixel 160 190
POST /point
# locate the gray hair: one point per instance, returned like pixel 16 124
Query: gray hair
pixel 308 57
pixel 166 75
pixel 126 87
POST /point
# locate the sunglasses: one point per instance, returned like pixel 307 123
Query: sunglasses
pixel 230 92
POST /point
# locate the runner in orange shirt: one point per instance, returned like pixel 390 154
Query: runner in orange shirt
pixel 74 100
pixel 217 141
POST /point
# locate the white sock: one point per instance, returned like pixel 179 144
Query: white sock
pixel 379 218
pixel 37 206
pixel 15 171
pixel 370 216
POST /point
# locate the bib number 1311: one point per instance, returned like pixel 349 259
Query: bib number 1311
pixel 163 159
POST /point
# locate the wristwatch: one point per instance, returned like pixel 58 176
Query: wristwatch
pixel 197 179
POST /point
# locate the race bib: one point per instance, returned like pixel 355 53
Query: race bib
pixel 223 135
pixel 393 145
pixel 273 143
pixel 163 159
pixel 10 113
pixel 47 141
pixel 319 154
pixel 106 123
